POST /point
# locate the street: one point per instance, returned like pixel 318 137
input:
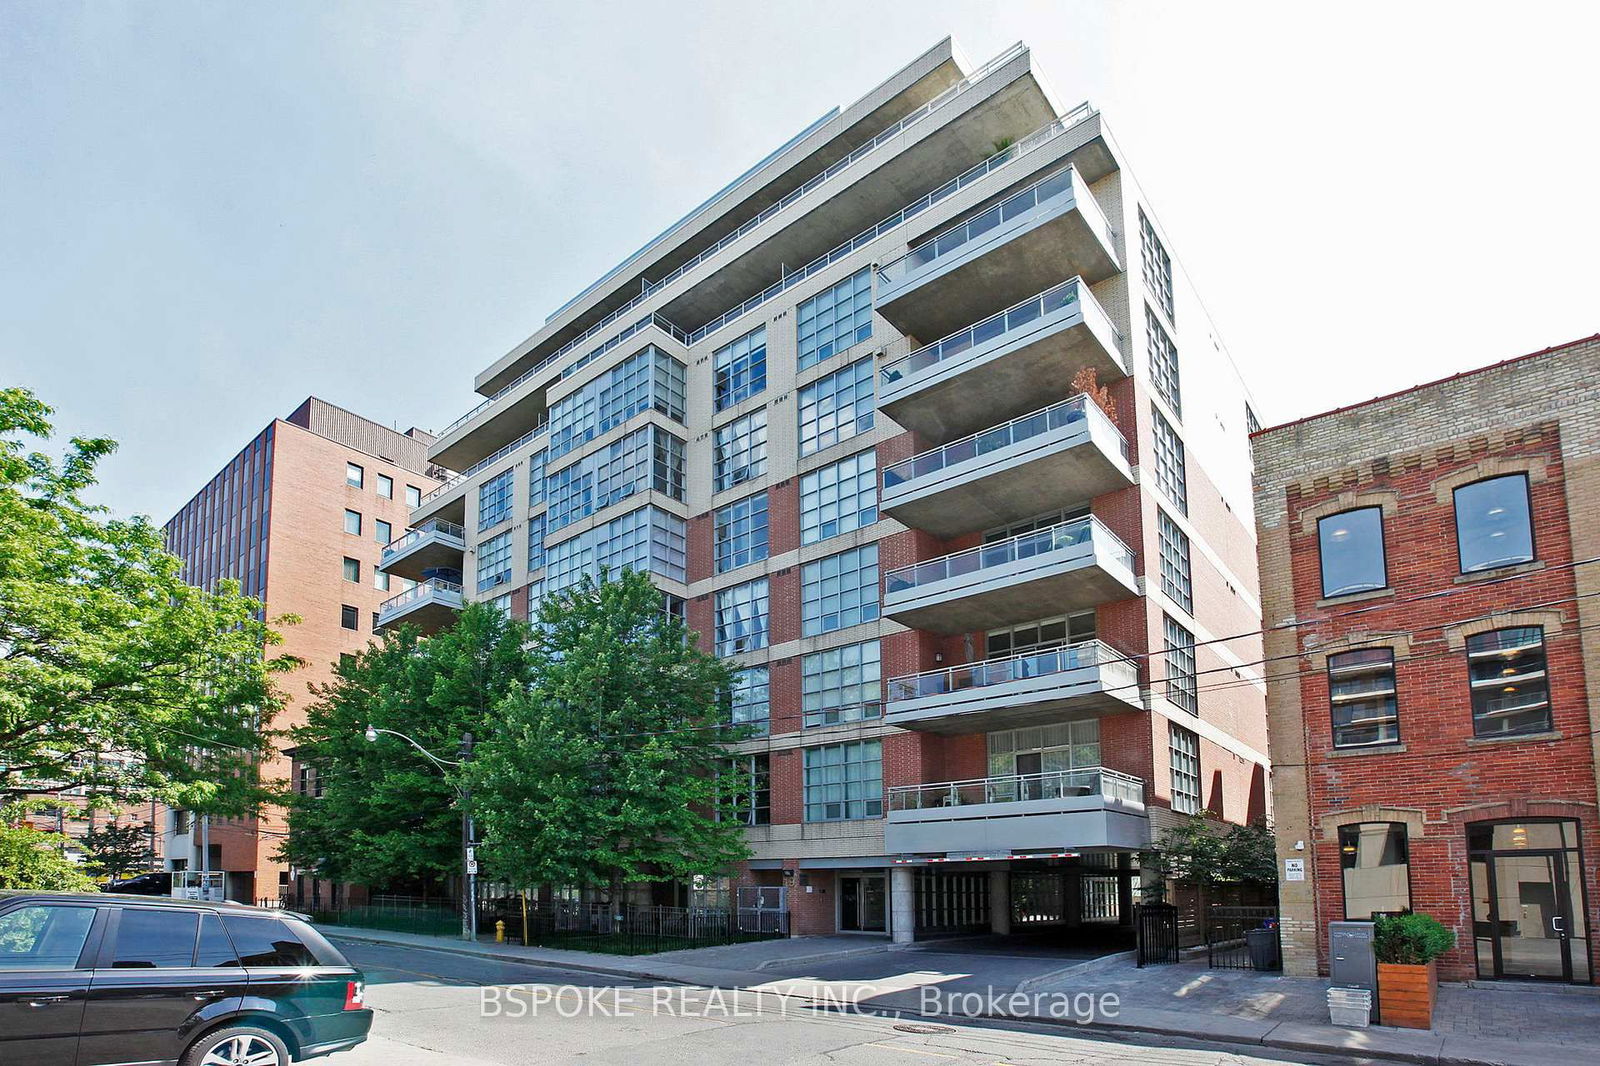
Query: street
pixel 441 1009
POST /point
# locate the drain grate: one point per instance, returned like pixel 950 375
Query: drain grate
pixel 923 1030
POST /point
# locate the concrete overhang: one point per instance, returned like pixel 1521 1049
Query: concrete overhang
pixel 433 545
pixel 1088 690
pixel 1063 824
pixel 429 606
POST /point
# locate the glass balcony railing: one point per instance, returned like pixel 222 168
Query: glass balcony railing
pixel 1036 542
pixel 1034 664
pixel 1059 185
pixel 447 591
pixel 1069 292
pixel 1057 416
pixel 1019 788
pixel 481 464
pixel 428 528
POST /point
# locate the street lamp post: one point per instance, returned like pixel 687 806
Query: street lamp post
pixel 469 906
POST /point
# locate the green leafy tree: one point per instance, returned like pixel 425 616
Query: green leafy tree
pixel 380 813
pixel 116 677
pixel 32 858
pixel 1204 851
pixel 117 851
pixel 605 770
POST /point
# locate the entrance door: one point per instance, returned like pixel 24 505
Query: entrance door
pixel 1031 762
pixel 863 905
pixel 1528 907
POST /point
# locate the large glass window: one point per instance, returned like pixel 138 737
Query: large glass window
pixel 536 530
pixel 1182 687
pixel 1493 527
pixel 1351 547
pixel 1362 698
pixel 834 319
pixel 741 532
pixel 1041 635
pixel 536 470
pixel 649 458
pixel 741 621
pixel 1163 362
pixel 739 450
pixel 836 407
pixel 1510 688
pixel 839 497
pixel 1183 750
pixel 755 788
pixel 494 561
pixel 353 475
pixel 1377 877
pixel 741 368
pixel 844 781
pixel 646 540
pixel 413 497
pixel 1157 266
pixel 1171 473
pixel 1175 578
pixel 352 522
pixel 648 380
pixel 749 702
pixel 386 486
pixel 841 684
pixel 839 591
pixel 494 500
pixel 1045 748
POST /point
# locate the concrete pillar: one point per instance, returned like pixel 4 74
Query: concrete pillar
pixel 1000 902
pixel 902 905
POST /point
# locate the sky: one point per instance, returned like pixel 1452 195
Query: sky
pixel 209 211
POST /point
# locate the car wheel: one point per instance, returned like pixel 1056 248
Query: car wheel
pixel 238 1045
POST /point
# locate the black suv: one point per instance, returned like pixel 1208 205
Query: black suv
pixel 92 979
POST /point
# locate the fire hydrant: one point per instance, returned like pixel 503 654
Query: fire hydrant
pixel 500 931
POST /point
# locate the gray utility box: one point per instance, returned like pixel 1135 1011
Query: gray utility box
pixel 1351 961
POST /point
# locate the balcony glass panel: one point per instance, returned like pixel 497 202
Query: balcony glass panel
pixel 1054 417
pixel 1089 653
pixel 1003 552
pixel 1019 788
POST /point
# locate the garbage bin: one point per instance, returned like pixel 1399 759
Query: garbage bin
pixel 1263 947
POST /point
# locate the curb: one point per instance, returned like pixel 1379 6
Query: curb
pixel 1033 984
pixel 562 964
pixel 821 956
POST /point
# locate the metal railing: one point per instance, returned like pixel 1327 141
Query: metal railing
pixel 1066 182
pixel 1077 531
pixel 432 525
pixel 1069 292
pixel 487 461
pixel 1056 416
pixel 419 591
pixel 1019 788
pixel 1058 660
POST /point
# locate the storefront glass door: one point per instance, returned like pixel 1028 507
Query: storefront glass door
pixel 1528 902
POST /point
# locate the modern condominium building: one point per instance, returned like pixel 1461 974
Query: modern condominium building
pixel 920 423
pixel 299 518
pixel 1430 562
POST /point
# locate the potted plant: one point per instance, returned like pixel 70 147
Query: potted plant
pixel 1407 946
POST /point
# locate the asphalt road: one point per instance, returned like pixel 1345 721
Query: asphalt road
pixel 440 1009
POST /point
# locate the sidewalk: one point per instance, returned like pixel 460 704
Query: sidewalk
pixel 1473 1026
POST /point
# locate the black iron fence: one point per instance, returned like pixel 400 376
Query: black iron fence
pixel 628 929
pixel 432 916
pixel 1243 938
pixel 1156 934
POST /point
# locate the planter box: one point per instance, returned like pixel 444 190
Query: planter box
pixel 1406 994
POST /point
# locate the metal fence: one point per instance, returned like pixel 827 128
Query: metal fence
pixel 629 929
pixel 1243 938
pixel 1156 934
pixel 397 914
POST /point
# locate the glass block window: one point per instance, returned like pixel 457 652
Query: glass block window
pixel 749 700
pixel 1182 687
pixel 834 319
pixel 536 527
pixel 741 618
pixel 741 532
pixel 1175 578
pixel 839 498
pixel 1171 473
pixel 1157 267
pixel 836 407
pixel 1163 361
pixel 1361 695
pixel 494 500
pixel 649 458
pixel 1183 750
pixel 844 781
pixel 839 591
pixel 536 469
pixel 648 540
pixel 739 450
pixel 1510 685
pixel 494 561
pixel 648 380
pixel 841 684
pixel 740 368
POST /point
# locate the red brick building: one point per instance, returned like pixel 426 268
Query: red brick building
pixel 1428 567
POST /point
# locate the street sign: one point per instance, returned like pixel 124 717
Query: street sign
pixel 472 854
pixel 472 866
pixel 1294 869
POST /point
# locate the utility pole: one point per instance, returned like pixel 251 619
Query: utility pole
pixel 469 855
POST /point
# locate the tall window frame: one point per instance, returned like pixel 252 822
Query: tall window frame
pixel 839 591
pixel 1177 581
pixel 839 497
pixel 1494 523
pixel 739 451
pixel 836 407
pixel 1182 680
pixel 1346 543
pixel 739 369
pixel 1363 698
pixel 1508 677
pixel 1171 463
pixel 1183 756
pixel 740 532
pixel 1376 857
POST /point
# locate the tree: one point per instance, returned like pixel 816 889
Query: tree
pixel 116 677
pixel 1204 851
pixel 606 769
pixel 32 858
pixel 379 813
pixel 116 851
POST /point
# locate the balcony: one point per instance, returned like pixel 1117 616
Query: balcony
pixel 1071 566
pixel 1029 241
pixel 1060 457
pixel 429 605
pixel 431 545
pixel 1003 366
pixel 1003 817
pixel 1073 681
